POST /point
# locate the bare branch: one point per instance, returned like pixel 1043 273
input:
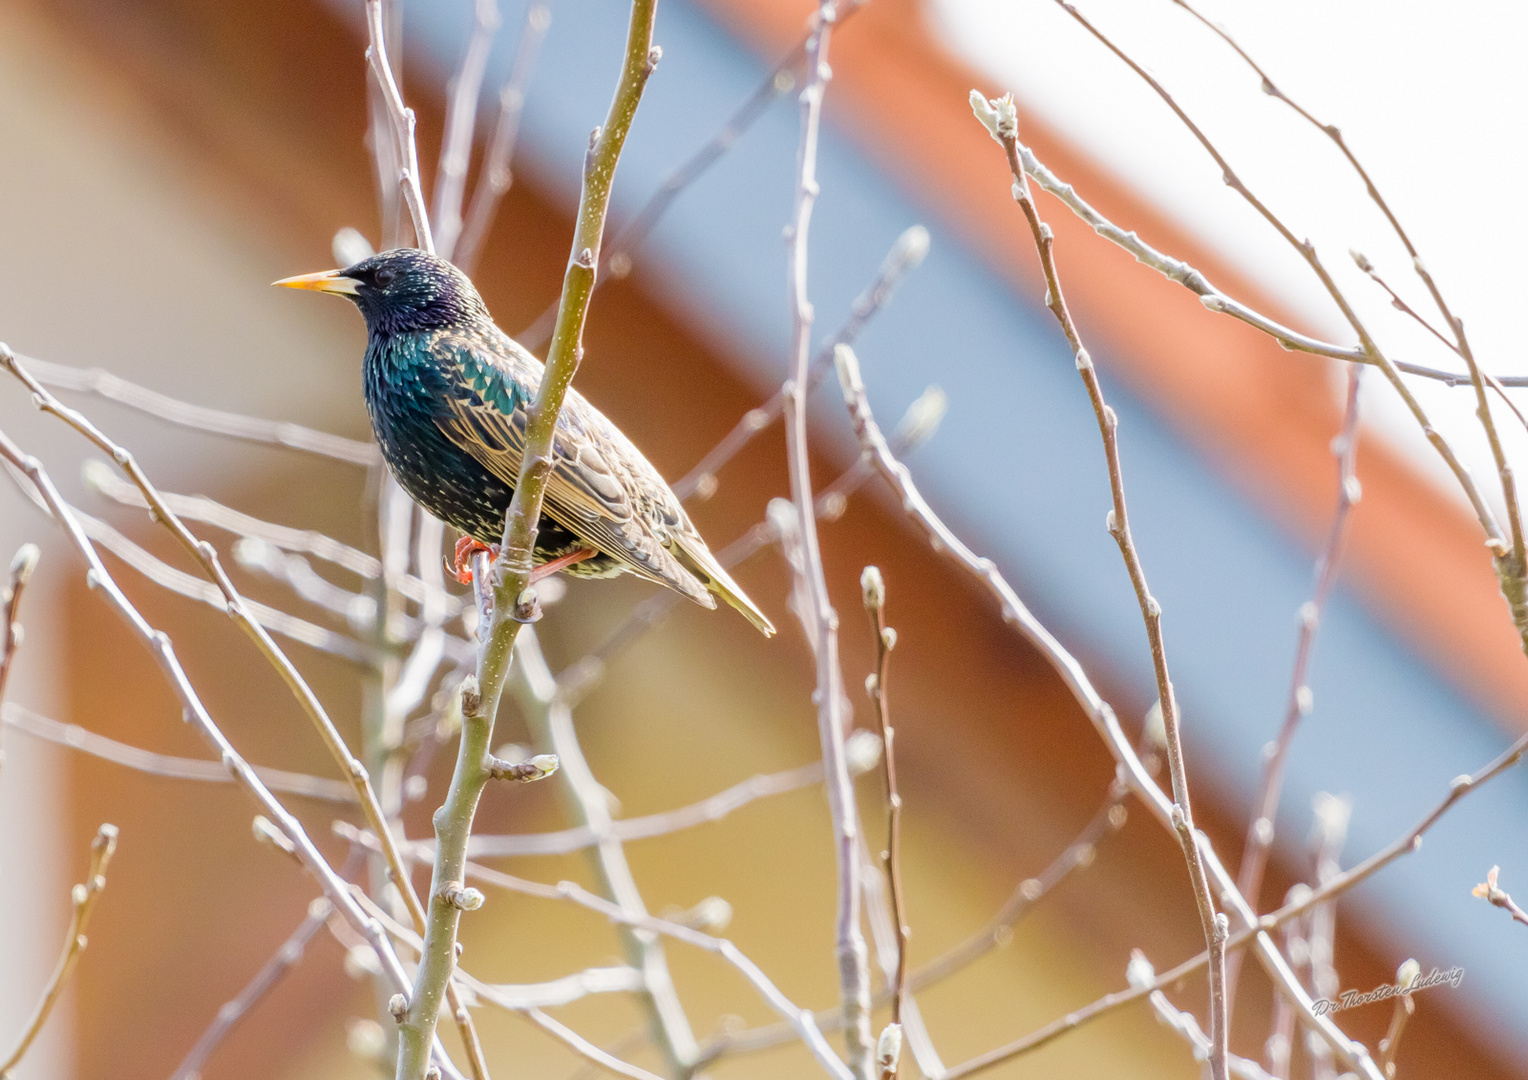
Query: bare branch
pixel 905 255
pixel 1405 1005
pixel 84 898
pixel 23 563
pixel 551 721
pixel 1260 832
pixel 1510 573
pixel 918 425
pixel 241 611
pixel 873 587
pixel 1517 569
pixel 814 606
pixel 402 126
pixel 1131 769
pixel 513 600
pixel 174 768
pixel 104 384
pixel 780 80
pixel 707 810
pixel 287 957
pixel 99 578
pixel 461 121
pixel 495 177
pixel 100 478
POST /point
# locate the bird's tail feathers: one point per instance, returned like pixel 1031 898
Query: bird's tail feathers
pixel 694 556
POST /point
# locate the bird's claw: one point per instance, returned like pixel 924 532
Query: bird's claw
pixel 461 559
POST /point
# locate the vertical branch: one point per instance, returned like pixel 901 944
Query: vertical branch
pixel 873 587
pixel 818 614
pixel 461 121
pixel 1405 1005
pixel 514 602
pixel 401 124
pixel 22 565
pixel 1260 833
pixel 84 898
pixel 551 719
pixel 1330 833
pixel 495 176
pixel 1001 120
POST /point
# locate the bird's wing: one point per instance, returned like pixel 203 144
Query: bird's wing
pixel 601 487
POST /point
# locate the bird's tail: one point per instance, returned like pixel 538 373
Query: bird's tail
pixel 694 556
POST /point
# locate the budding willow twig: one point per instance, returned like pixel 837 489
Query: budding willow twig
pixel 84 898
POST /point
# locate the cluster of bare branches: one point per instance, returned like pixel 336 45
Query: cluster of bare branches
pixel 436 664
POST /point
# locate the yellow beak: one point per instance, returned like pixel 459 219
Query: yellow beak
pixel 330 281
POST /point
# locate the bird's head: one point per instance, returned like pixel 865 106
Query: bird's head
pixel 401 290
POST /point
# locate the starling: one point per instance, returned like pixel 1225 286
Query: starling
pixel 448 392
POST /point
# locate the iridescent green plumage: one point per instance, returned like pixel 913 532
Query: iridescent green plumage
pixel 447 391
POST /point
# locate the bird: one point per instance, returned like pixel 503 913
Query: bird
pixel 448 393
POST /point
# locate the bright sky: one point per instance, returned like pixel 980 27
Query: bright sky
pixel 1432 97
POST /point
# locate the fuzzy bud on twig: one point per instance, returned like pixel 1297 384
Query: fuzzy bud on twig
pixel 24 563
pixel 922 418
pixel 873 589
pixel 537 768
pixel 997 115
pixel 888 1051
pixel 862 751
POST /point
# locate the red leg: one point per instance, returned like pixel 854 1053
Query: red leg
pixel 562 562
pixel 461 560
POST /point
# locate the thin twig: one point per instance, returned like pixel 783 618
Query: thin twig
pixel 495 176
pixel 1514 585
pixel 241 611
pixel 1328 835
pixel 1513 571
pixel 704 812
pixel 520 1000
pixel 1002 120
pixel 513 600
pixel 551 722
pixel 801 1020
pixel 401 119
pixel 100 478
pixel 461 121
pixel 1295 908
pixel 189 585
pixel 1493 893
pixel 917 426
pixel 84 898
pixel 1184 1023
pixel 23 563
pixel 287 957
pixel 780 80
pixel 1405 1005
pixel 175 768
pixel 816 611
pixel 200 418
pixel 195 712
pixel 1132 771
pixel 1260 833
pixel 873 586
pixel 905 255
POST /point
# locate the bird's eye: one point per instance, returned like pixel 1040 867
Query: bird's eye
pixel 384 277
